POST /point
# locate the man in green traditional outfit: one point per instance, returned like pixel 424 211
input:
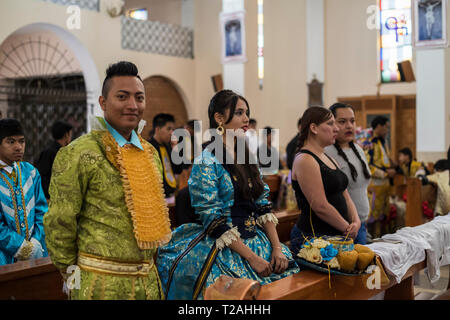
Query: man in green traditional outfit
pixel 107 215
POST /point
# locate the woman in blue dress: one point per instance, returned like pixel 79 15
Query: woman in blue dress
pixel 237 235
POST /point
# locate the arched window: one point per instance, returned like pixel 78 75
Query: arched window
pixel 395 41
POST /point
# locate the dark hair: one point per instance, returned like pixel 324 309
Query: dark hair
pixel 60 128
pixel 190 124
pixel 245 173
pixel 10 127
pixel 379 121
pixel 312 115
pixel 441 165
pixel 161 119
pixel 122 68
pixel 251 121
pixel 353 171
pixel 269 130
pixel 407 152
pixel 299 122
pixel 222 101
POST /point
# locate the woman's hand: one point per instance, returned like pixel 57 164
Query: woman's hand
pixel 353 229
pixel 279 262
pixel 261 266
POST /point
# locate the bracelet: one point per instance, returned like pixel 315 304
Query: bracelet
pixel 279 247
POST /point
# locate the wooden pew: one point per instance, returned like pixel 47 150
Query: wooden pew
pixel 416 193
pixel 31 280
pixel 314 285
pixel 273 181
pixel 286 220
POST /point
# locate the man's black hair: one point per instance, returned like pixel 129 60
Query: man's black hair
pixel 407 151
pixel 190 123
pixel 379 120
pixel 269 130
pixel 60 128
pixel 161 119
pixel 10 127
pixel 252 121
pixel 122 68
pixel 441 165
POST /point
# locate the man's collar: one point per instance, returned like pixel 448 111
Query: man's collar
pixel 121 141
pixel 8 168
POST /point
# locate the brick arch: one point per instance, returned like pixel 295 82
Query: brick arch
pixel 163 96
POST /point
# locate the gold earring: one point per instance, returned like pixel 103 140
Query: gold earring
pixel 220 130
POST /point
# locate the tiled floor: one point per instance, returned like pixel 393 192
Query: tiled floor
pixel 423 290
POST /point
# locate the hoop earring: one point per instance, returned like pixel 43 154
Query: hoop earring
pixel 220 130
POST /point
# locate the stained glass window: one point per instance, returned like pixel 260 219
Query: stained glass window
pixel 260 43
pixel 138 14
pixel 395 41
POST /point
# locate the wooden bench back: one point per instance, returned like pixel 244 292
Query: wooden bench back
pixel 31 280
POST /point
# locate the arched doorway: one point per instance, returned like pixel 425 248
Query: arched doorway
pixel 162 96
pixel 43 79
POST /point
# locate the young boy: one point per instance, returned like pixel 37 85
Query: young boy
pixel 22 201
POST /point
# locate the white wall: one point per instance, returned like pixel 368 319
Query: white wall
pixel 351 59
pixel 283 98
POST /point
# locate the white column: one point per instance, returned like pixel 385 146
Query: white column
pixel 234 73
pixel 315 40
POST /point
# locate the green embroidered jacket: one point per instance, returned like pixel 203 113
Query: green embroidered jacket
pixel 87 210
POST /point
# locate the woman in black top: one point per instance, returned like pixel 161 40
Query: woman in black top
pixel 320 186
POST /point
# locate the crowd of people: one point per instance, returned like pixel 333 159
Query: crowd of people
pixel 100 202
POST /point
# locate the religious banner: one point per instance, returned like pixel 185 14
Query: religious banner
pixel 232 27
pixel 430 23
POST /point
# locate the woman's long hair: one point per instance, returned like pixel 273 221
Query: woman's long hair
pixel 353 171
pixel 246 174
pixel 316 115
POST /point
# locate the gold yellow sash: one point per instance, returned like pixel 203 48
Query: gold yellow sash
pixel 143 188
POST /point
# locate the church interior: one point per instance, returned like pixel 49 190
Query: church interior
pixel 382 57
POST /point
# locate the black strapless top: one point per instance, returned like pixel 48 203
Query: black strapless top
pixel 334 182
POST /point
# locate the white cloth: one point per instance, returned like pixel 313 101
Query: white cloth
pixel 430 240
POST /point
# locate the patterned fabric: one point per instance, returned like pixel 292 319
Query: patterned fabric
pixel 378 158
pixel 26 197
pixel 410 170
pixel 379 188
pixel 157 37
pixel 88 213
pixel 95 285
pixel 441 180
pixel 212 196
pixel 146 205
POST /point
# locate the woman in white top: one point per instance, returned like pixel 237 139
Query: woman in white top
pixel 352 161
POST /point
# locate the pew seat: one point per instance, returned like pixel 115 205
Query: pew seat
pixel 314 285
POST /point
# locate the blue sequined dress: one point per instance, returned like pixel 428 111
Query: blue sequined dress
pixel 213 196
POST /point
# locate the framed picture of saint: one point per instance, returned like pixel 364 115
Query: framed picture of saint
pixel 233 36
pixel 430 23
